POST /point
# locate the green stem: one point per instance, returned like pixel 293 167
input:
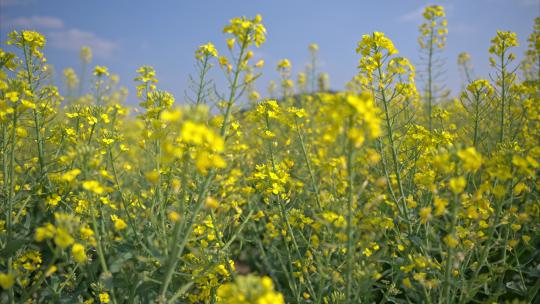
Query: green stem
pixel 10 193
pixel 201 80
pixel 430 82
pixel 350 201
pixel 234 86
pixel 123 200
pixel 37 125
pixel 11 174
pixel 390 136
pixel 476 119
pixel 450 259
pixel 503 96
pixel 308 164
pixel 177 250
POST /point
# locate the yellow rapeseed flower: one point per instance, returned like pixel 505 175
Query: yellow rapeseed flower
pixel 457 184
pixel 7 280
pixel 451 241
pixel 62 238
pixel 101 71
pixel 93 186
pixel 119 224
pixel 471 159
pixel 78 253
pixel 104 298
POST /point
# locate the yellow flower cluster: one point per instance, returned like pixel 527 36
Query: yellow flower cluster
pixel 147 79
pixel 503 41
pixel 249 290
pixel 101 71
pixel 380 70
pixel 71 79
pixel 247 31
pixel 434 30
pixel 34 41
pixel 272 179
pixel 367 116
pixel 464 58
pixel 62 233
pixel 206 51
pixel 7 280
pixel 284 64
pixel 376 44
pixel 207 145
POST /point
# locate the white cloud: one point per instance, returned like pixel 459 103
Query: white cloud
pixel 523 3
pixel 61 37
pixel 529 3
pixel 461 28
pixel 74 39
pixel 414 15
pixel 36 22
pixel 4 3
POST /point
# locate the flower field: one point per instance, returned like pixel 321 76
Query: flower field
pixel 390 191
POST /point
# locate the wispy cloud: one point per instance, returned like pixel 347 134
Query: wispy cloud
pixel 529 3
pixel 74 39
pixel 36 22
pixel 524 3
pixel 414 15
pixel 62 37
pixel 461 28
pixel 5 3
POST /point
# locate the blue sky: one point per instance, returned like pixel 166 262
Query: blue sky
pixel 125 34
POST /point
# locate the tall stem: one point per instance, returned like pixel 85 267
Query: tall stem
pixel 393 149
pixel 476 120
pixel 201 81
pixel 37 125
pixel 309 167
pixel 450 258
pixel 177 250
pixel 430 82
pixel 503 96
pixel 99 245
pixel 234 86
pixel 10 191
pixel 350 201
